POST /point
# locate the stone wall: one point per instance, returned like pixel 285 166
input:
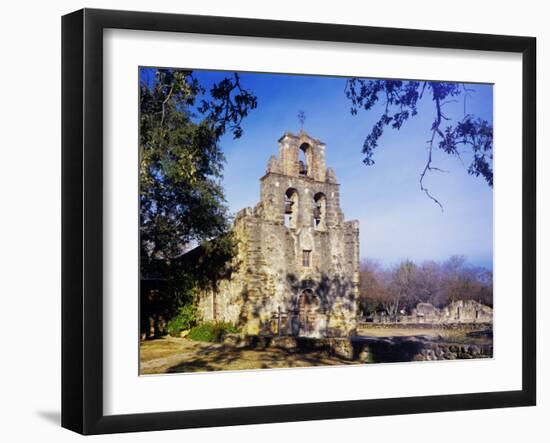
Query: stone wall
pixel 363 327
pixel 275 286
pixel 460 311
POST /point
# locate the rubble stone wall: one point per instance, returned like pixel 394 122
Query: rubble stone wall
pixel 456 312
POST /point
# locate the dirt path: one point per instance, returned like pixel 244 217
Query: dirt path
pixel 170 355
pixel 470 336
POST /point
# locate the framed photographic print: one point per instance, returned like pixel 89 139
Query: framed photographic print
pixel 269 221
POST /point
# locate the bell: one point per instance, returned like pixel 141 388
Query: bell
pixel 288 207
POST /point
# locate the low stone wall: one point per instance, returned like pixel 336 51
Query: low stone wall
pixel 458 311
pixel 401 349
pixel 437 351
pixel 446 326
pixel 368 350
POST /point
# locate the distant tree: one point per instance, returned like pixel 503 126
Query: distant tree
pixel 462 282
pixel 400 103
pixel 182 202
pixel 403 286
pixel 389 290
pixel 372 290
pixel 457 278
pixel 429 280
pixel 485 287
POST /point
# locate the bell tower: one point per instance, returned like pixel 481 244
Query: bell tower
pixel 298 190
pixel 302 156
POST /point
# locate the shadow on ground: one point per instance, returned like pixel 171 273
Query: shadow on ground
pixel 215 358
pixel 388 349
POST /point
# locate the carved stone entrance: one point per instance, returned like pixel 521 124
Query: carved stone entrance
pixel 308 312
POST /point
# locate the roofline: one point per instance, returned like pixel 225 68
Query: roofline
pixel 301 135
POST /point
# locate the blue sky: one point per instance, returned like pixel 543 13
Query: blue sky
pixel 397 220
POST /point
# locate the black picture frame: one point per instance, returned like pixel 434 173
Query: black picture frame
pixel 82 217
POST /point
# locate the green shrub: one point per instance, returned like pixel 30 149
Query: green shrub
pixel 211 332
pixel 185 319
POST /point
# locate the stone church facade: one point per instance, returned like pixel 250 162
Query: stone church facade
pixel 297 266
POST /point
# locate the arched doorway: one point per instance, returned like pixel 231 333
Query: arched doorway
pixel 308 311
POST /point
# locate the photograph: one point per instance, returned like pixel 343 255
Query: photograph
pixel 257 221
pixel 294 220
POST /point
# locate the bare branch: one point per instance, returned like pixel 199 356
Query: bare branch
pixel 449 101
pixel 429 166
pixel 466 95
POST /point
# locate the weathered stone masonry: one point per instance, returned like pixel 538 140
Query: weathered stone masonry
pixel 298 260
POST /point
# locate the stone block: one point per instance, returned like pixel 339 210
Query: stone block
pixel 288 343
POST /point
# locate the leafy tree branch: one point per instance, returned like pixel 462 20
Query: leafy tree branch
pixel 399 101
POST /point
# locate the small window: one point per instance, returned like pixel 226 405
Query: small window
pixel 306 258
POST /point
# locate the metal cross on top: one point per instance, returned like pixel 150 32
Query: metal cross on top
pixel 301 119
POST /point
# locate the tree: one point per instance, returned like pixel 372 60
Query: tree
pixel 462 282
pixel 400 103
pixel 390 290
pixel 372 290
pixel 403 286
pixel 429 278
pixel 182 202
pixel 455 284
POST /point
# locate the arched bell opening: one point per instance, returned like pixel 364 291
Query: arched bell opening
pixel 291 208
pixel 305 160
pixel 319 211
